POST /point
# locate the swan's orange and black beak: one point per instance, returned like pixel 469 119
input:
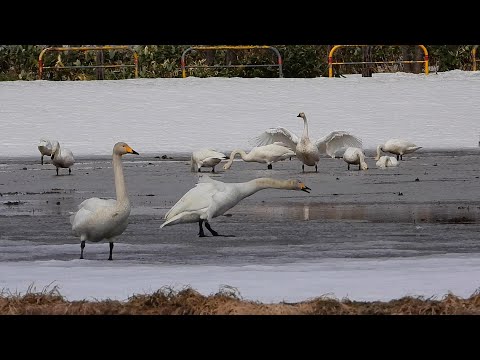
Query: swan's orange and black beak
pixel 131 151
pixel 305 188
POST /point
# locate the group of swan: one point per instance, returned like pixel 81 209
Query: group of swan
pixel 98 219
pixel 61 157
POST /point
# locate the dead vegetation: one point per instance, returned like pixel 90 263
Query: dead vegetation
pixel 167 301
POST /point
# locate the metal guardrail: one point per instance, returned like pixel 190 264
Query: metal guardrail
pixel 42 67
pixel 331 62
pixel 233 47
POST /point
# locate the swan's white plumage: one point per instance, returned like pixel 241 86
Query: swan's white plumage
pixel 62 157
pixel 205 158
pixel 307 151
pixel 398 147
pixel 386 161
pixel 355 156
pixel 45 148
pixel 266 154
pixel 211 198
pixel 98 219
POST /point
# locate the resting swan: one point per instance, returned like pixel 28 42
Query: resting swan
pixel 211 198
pixel 398 147
pixel 98 219
pixel 267 154
pixel 355 156
pixel 205 158
pixel 62 158
pixel 307 151
pixel 386 161
pixel 45 148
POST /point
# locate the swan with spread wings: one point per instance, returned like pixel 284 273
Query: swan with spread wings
pixel 309 152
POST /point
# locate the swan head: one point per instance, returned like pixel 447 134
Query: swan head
pixel 122 148
pixel 296 184
pixel 301 115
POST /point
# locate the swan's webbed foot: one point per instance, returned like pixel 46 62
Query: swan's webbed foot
pixel 82 246
pixel 269 167
pixel 111 250
pixel 207 225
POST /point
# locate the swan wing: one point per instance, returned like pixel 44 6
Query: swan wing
pixel 198 198
pixel 87 209
pixel 336 141
pixel 278 134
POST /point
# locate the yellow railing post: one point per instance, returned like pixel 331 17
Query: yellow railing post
pixel 41 66
pixel 331 62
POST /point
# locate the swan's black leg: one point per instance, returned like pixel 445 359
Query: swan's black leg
pixel 207 225
pixel 200 233
pixel 316 168
pixel 199 170
pixel 401 157
pixel 42 159
pixel 111 250
pixel 57 170
pixel 359 167
pixel 69 171
pixel 269 167
pixel 213 169
pixel 303 168
pixel 398 157
pixel 82 246
pixel 348 166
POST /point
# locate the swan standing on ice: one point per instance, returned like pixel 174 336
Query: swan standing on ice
pixel 205 158
pixel 267 154
pixel 307 151
pixel 398 147
pixel 211 198
pixel 98 219
pixel 355 156
pixel 386 161
pixel 62 158
pixel 45 148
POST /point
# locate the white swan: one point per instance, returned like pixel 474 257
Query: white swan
pixel 98 219
pixel 386 161
pixel 355 156
pixel 307 151
pixel 45 148
pixel 211 198
pixel 267 154
pixel 62 158
pixel 205 158
pixel 398 147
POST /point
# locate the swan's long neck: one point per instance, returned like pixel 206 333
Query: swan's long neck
pixel 379 149
pixel 305 128
pixel 241 152
pixel 120 187
pixel 252 186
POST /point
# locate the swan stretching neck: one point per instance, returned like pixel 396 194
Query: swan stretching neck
pixel 211 198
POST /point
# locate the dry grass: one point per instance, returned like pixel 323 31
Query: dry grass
pixel 227 301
